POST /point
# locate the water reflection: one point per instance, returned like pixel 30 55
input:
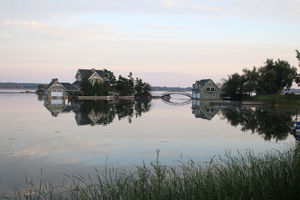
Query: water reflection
pixel 270 122
pixel 204 109
pixel 98 112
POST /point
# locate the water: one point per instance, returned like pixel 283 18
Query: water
pixel 54 137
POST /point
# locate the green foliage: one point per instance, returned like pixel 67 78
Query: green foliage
pixel 271 78
pixel 275 76
pixel 234 86
pixel 97 89
pixel 250 80
pixel 240 176
pixel 142 89
pixel 110 78
pixel 41 86
pixel 86 87
pixel 126 86
pixel 122 86
pixel 298 76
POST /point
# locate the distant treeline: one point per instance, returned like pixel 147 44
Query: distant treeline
pixel 10 85
pixel 177 89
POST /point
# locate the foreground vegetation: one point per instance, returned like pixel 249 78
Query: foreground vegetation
pixel 243 176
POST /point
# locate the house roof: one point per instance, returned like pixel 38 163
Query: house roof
pixel 67 86
pixel 51 83
pixel 76 83
pixel 70 87
pixel 202 82
pixel 86 73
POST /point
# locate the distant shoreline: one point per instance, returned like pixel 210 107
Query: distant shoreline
pixel 34 86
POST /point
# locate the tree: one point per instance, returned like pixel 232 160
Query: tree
pixel 130 83
pixel 124 86
pixel 298 56
pixel 41 86
pixel 234 86
pixel 271 78
pixel 142 89
pixel 86 87
pixel 298 76
pixel 276 76
pixel 251 80
pixel 110 78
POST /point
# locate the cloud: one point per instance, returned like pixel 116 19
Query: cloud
pixel 289 9
pixel 16 28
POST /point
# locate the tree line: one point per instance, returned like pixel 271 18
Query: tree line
pixel 271 78
pixel 124 86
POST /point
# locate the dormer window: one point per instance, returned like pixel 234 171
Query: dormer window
pixel 210 89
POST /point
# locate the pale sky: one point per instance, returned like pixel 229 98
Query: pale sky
pixel 165 42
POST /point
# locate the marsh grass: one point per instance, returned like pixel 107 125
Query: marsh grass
pixel 241 176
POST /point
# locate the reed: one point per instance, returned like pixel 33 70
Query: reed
pixel 273 175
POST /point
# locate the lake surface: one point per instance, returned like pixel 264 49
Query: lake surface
pixel 60 136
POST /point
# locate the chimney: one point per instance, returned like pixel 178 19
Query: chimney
pixel 54 79
pixel 93 70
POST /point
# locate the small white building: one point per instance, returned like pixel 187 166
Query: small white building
pixel 56 89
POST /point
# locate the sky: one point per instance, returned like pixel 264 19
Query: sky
pixel 164 42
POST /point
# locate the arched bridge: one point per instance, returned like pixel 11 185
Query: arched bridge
pixel 168 94
pixel 177 103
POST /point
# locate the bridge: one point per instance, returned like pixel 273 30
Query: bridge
pixel 177 103
pixel 168 94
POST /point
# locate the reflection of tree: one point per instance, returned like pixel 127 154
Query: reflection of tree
pixel 104 112
pixel 142 106
pixel 125 109
pixel 98 112
pixel 269 122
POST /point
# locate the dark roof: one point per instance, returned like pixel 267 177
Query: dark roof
pixel 70 87
pixel 51 83
pixel 86 73
pixel 202 82
pixel 76 83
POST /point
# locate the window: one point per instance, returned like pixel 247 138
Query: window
pixel 210 89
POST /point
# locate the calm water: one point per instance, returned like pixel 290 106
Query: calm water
pixel 75 137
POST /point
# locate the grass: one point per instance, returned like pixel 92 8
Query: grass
pixel 243 176
pixel 277 99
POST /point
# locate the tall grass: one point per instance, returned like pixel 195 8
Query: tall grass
pixel 241 176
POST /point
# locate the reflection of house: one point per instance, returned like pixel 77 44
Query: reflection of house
pixel 205 89
pixel 60 89
pixel 93 75
pixel 203 109
pixel 59 105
